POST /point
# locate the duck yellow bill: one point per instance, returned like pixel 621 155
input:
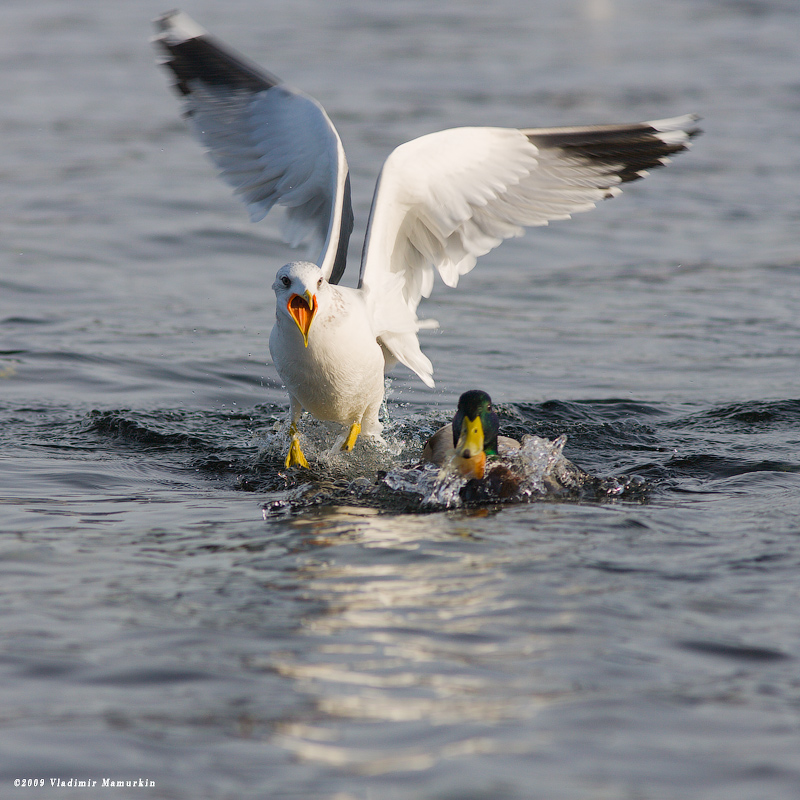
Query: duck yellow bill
pixel 302 309
pixel 470 458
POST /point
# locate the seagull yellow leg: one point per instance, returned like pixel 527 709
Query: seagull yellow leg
pixel 350 441
pixel 295 457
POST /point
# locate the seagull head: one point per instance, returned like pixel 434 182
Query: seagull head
pixel 296 288
pixel 475 429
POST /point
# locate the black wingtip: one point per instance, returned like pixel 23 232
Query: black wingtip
pixel 628 150
pixel 192 54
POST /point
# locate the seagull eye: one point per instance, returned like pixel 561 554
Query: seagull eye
pixel 319 283
pixel 286 282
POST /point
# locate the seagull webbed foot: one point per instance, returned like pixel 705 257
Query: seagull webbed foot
pixel 295 457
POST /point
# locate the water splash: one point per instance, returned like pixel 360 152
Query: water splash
pixel 388 473
pixel 537 470
pixel 317 439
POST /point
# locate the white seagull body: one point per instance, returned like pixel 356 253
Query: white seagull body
pixel 441 201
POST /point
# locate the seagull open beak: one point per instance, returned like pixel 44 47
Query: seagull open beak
pixel 470 459
pixel 302 310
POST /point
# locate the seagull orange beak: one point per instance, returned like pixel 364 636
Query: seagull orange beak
pixel 302 310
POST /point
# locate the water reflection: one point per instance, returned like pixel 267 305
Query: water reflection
pixel 419 631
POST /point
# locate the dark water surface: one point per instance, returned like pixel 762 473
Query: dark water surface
pixel 176 609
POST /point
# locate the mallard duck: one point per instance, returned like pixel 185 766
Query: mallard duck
pixel 471 445
pixel 465 443
pixel 442 201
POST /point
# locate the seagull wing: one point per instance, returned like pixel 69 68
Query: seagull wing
pixel 272 144
pixel 445 199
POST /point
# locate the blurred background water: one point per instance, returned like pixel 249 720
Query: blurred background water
pixel 176 609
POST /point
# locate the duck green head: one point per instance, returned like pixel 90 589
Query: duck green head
pixel 475 429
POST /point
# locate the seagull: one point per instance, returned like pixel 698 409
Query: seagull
pixel 441 201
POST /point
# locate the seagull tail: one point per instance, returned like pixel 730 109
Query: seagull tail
pixel 395 324
pixel 404 347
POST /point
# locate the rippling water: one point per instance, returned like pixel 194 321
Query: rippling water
pixel 177 609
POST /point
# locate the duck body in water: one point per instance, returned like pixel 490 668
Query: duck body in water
pixel 498 468
pixel 471 445
pixel 470 437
